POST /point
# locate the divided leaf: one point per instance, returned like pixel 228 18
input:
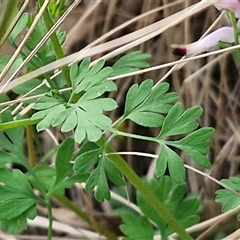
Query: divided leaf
pixel 98 178
pixel 179 122
pixel 130 62
pixel 83 112
pixel 196 145
pixel 136 228
pixel 46 53
pixel 146 106
pixel 228 199
pixel 56 180
pixel 57 8
pixel 169 158
pixel 172 195
pixel 11 143
pixel 17 202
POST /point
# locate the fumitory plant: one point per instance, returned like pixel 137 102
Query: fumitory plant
pixel 222 37
pixel 74 100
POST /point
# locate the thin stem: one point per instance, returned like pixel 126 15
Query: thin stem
pixel 8 12
pixel 81 214
pixel 18 123
pixel 55 43
pixel 146 192
pixel 50 217
pixel 131 135
pixel 236 52
pixel 30 145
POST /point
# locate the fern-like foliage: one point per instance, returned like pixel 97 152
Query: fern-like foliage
pixel 172 194
pixel 227 198
pixel 151 106
pixel 83 110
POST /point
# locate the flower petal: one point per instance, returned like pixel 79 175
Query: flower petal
pixel 232 5
pixel 206 44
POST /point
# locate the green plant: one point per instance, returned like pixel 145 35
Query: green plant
pixel 77 103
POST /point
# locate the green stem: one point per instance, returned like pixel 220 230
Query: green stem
pixel 236 52
pixel 146 192
pixel 8 11
pixel 55 43
pixel 18 123
pixel 70 205
pixel 131 135
pixel 30 145
pixel 50 217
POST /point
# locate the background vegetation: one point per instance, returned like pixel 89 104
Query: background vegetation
pixel 211 82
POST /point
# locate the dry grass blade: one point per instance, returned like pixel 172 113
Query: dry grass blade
pixel 21 45
pixel 42 42
pixel 14 22
pixel 129 41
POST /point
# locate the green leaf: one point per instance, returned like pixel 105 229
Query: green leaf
pixel 28 86
pixel 86 77
pixel 195 145
pixel 172 195
pixel 57 8
pixel 46 53
pixel 147 119
pixel 136 228
pixel 179 122
pixel 186 214
pixel 62 163
pixel 168 157
pixel 21 24
pixel 86 126
pixel 113 173
pixel 15 207
pixel 16 224
pixel 77 74
pixel 98 178
pixel 228 199
pixel 130 62
pixel 197 137
pixel 17 200
pixel 146 105
pixel 85 161
pixel 136 95
pixel 11 143
pixel 46 175
pixel 83 111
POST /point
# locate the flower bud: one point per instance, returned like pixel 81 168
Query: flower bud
pixel 206 44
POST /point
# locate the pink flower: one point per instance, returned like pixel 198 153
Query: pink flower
pixel 232 5
pixel 206 44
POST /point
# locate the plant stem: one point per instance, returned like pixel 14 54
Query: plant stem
pixel 236 41
pixel 146 192
pixel 50 217
pixel 18 123
pixel 140 137
pixel 55 43
pixel 8 11
pixel 70 205
pixel 30 145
